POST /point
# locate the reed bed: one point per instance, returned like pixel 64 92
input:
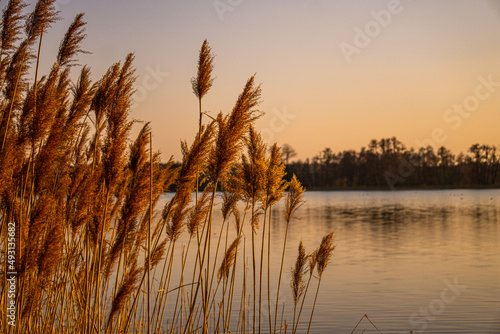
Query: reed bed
pixel 94 253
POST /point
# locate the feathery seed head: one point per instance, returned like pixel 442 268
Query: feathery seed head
pixel 41 18
pixel 294 198
pixel 228 260
pixel 203 82
pixel 70 45
pixel 199 212
pixel 231 132
pixel 11 24
pixel 324 252
pixel 126 289
pixel 298 269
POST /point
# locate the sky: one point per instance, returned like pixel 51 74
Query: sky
pixel 334 73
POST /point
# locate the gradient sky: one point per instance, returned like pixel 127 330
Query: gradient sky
pixel 427 57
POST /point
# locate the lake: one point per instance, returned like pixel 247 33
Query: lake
pixel 426 261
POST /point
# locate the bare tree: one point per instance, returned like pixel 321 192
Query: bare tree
pixel 288 152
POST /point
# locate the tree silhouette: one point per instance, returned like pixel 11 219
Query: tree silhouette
pixel 388 163
pixel 288 153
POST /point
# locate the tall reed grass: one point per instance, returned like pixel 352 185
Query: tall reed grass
pixel 93 251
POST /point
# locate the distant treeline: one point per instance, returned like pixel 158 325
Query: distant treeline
pixel 387 163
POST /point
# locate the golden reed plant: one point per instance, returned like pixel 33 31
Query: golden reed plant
pixel 93 253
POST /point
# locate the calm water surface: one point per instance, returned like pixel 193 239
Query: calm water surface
pixel 427 261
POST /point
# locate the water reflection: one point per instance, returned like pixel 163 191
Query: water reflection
pixel 395 252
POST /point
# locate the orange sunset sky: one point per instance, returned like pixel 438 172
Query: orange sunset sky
pixel 334 73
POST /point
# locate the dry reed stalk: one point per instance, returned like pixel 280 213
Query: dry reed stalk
pixel 297 282
pixel 239 225
pixel 100 103
pixel 323 256
pixel 274 191
pixel 180 290
pixel 201 85
pixel 193 158
pixel 114 158
pixel 312 264
pixel 214 267
pixel 250 181
pixel 228 262
pixel 231 130
pixel 136 198
pixel 294 200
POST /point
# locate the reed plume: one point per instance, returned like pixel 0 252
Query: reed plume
pixel 324 253
pixel 12 23
pixel 70 45
pixel 44 107
pixel 251 174
pixel 39 218
pixel 203 81
pixel 194 158
pixel 14 81
pixel 43 15
pixel 50 253
pixel 136 198
pixel 118 126
pixel 82 96
pixel 51 163
pixel 228 260
pixel 199 212
pixel 274 186
pixel 294 198
pixel 297 283
pixel 231 131
pixel 298 271
pixel 229 200
pixel 124 292
pixel 101 103
pixel 157 254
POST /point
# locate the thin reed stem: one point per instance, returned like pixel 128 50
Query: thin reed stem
pixel 149 227
pixel 280 275
pixel 314 306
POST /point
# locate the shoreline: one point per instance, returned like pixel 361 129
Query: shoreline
pixel 402 188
